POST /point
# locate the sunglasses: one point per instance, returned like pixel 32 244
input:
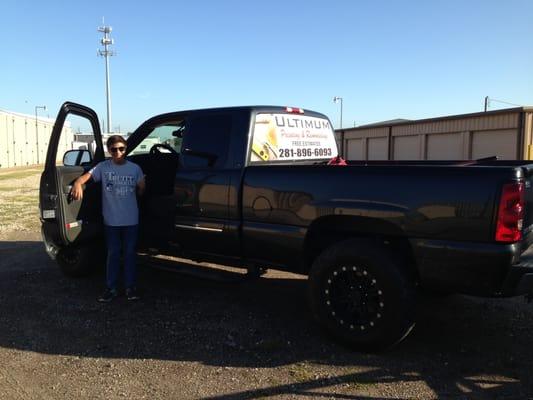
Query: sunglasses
pixel 116 149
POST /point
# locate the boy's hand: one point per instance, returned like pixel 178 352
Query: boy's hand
pixel 77 191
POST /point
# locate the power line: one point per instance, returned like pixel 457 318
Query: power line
pixel 489 99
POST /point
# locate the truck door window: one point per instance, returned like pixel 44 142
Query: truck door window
pixel 167 133
pixel 77 144
pixel 205 141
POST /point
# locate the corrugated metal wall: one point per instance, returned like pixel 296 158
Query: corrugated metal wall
pixel 24 140
pixel 527 123
pixel 504 133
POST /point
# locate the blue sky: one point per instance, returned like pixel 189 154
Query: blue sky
pixel 386 59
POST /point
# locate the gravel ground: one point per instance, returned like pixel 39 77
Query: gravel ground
pixel 193 338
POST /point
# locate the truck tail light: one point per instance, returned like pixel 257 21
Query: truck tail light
pixel 510 213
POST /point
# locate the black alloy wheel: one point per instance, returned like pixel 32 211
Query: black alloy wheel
pixel 354 298
pixel 79 261
pixel 362 295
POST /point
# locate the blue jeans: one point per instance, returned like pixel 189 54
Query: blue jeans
pixel 121 238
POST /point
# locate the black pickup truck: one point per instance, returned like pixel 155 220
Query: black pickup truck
pixel 254 187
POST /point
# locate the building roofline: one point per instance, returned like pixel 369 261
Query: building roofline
pixel 28 116
pixel 444 118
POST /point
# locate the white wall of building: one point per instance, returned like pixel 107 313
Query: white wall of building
pixel 24 140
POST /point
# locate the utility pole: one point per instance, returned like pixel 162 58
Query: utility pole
pixel 106 41
pixel 486 103
pixel 37 130
pixel 337 99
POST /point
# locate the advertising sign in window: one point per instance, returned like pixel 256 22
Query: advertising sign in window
pixel 288 137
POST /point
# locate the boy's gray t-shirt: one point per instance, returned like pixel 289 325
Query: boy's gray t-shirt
pixel 119 191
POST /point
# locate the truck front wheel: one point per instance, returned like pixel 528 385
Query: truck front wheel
pixel 78 261
pixel 361 295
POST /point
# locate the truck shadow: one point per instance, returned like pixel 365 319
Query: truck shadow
pixel 460 345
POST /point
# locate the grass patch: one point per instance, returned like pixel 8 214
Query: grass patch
pixel 14 175
pixel 19 199
pixel 20 212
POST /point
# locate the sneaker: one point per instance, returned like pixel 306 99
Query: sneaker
pixel 132 294
pixel 108 296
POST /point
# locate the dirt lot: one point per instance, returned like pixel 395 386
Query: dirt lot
pixel 192 338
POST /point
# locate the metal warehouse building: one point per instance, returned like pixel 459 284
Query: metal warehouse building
pixel 507 134
pixel 24 139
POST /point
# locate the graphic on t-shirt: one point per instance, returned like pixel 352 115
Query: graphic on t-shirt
pixel 119 185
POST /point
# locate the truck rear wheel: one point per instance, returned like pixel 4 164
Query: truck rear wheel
pixel 78 261
pixel 361 295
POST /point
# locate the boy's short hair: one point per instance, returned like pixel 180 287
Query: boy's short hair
pixel 111 140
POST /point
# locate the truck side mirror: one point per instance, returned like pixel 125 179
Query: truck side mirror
pixel 178 133
pixel 74 158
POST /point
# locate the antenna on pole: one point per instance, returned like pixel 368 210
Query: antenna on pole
pixel 106 41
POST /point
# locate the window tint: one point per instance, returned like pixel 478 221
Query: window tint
pixel 168 133
pixel 205 141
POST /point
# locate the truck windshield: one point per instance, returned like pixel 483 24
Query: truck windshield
pixel 290 137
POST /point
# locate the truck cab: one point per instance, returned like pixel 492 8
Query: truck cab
pixel 194 163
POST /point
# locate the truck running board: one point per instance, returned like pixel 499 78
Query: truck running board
pixel 207 271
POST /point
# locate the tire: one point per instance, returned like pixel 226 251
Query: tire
pixel 79 261
pixel 361 295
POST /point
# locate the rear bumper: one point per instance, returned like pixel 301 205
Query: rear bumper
pixel 483 269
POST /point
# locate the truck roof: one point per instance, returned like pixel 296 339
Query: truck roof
pixel 253 108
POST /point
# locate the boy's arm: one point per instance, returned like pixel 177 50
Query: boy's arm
pixel 141 186
pixel 77 187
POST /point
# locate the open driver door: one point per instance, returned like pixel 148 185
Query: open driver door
pixel 72 230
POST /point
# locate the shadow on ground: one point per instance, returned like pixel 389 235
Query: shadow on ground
pixel 460 344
